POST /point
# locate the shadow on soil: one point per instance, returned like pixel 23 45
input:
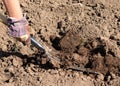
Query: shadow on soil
pixel 34 59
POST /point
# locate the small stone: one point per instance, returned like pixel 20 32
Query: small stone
pixel 4 47
pixel 17 62
pixel 30 71
pixel 94 44
pixel 111 82
pixel 44 61
pixel 26 50
pixel 76 56
pixel 108 78
pixel 53 71
pixel 33 68
pixel 39 78
pixel 83 78
pixel 89 78
pixel 100 77
pixel 11 80
pixel 11 69
pixel 60 70
pixel 62 73
pixel 76 74
pixel 113 76
pixel 55 63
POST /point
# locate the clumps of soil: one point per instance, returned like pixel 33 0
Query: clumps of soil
pixel 70 41
pixel 95 53
pixel 39 58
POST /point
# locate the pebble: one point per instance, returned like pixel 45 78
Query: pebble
pixel 83 78
pixel 34 68
pixel 39 78
pixel 30 71
pixel 62 73
pixel 89 78
pixel 17 62
pixel 11 69
pixel 100 77
pixel 4 47
pixel 76 74
pixel 111 82
pixel 11 80
pixel 108 78
pixel 113 76
pixel 76 56
pixel 53 71
pixel 94 44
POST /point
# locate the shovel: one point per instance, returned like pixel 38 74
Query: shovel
pixel 49 52
pixel 35 43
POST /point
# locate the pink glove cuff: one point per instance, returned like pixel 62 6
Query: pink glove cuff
pixel 17 28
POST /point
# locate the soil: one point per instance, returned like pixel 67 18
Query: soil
pixel 82 38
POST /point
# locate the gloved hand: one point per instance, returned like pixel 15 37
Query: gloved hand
pixel 20 29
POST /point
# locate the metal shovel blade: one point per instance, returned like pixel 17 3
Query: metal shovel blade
pixel 43 48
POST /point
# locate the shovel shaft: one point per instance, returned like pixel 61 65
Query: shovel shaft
pixel 36 43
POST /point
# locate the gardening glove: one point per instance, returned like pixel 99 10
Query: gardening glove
pixel 19 29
